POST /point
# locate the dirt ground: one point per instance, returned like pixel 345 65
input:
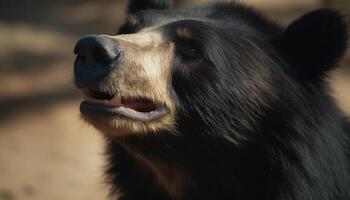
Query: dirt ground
pixel 46 151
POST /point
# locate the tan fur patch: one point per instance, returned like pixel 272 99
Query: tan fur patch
pixel 169 176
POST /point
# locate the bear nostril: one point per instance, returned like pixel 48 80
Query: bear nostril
pixel 81 57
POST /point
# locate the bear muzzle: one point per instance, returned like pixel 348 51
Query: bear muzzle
pixel 126 82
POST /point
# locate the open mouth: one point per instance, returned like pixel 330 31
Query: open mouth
pixel 135 108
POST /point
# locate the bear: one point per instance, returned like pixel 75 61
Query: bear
pixel 217 102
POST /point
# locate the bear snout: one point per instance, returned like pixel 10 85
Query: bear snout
pixel 96 57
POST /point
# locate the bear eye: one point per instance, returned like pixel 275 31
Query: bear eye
pixel 189 53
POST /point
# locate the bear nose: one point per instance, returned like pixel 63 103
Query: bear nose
pixel 96 57
pixel 97 51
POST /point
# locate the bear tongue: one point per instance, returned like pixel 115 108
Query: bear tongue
pixel 139 105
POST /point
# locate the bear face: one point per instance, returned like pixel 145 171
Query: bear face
pixel 172 58
pixel 176 64
pixel 216 102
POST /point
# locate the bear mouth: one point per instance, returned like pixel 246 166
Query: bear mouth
pixel 134 108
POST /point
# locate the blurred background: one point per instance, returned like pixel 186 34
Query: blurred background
pixel 46 151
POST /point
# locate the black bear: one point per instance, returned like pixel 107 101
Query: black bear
pixel 217 102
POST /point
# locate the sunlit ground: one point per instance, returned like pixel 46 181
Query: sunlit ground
pixel 46 151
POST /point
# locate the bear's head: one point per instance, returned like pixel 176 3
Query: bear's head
pixel 220 72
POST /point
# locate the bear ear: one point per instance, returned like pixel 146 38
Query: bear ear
pixel 315 42
pixel 138 5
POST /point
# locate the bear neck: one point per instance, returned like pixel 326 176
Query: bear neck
pixel 177 167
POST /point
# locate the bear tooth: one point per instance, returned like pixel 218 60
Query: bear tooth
pixel 117 100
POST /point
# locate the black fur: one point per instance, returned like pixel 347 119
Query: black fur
pixel 255 121
pixel 315 42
